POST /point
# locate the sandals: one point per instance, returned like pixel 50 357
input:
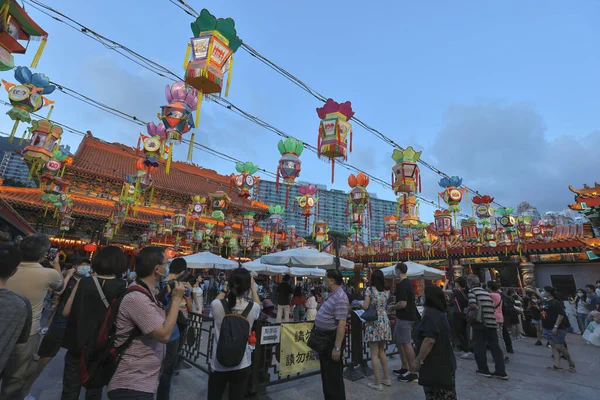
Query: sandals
pixel 555 368
pixel 572 367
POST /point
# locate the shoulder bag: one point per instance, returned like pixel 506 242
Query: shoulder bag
pixel 371 314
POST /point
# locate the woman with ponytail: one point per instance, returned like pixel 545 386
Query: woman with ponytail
pixel 234 296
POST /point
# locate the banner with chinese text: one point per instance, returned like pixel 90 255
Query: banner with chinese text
pixel 295 356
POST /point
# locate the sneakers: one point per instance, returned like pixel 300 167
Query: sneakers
pixel 538 343
pixel 408 378
pixel 375 386
pixel 484 373
pixel 466 355
pixel 400 371
pixel 500 376
pixel 386 382
pixel 506 360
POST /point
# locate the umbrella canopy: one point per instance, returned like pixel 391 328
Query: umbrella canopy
pixel 415 271
pixel 312 272
pixel 265 269
pixel 305 257
pixel 207 259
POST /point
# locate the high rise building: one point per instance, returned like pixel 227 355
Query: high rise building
pixel 14 167
pixel 524 209
pixel 331 208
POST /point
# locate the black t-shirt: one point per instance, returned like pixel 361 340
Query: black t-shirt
pixel 460 300
pixel 550 311
pixel 534 308
pixel 88 311
pixel 405 292
pixel 284 291
pixel 435 325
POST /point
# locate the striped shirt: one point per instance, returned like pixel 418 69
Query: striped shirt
pixel 334 309
pixel 139 368
pixel 483 299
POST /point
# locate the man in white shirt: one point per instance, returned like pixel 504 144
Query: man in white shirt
pixel 32 281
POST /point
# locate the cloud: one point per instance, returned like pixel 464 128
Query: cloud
pixel 502 150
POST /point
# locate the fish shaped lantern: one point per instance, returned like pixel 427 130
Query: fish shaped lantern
pixel 453 193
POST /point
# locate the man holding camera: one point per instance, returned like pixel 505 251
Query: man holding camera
pixel 177 273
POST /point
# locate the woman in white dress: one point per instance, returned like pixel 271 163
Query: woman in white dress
pixel 197 296
pixel 311 306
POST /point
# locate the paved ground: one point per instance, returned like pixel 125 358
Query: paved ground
pixel 529 379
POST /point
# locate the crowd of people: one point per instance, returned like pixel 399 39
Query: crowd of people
pixel 123 330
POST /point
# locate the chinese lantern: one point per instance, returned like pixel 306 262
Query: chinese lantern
pixel 44 137
pixel 290 235
pixel 266 243
pixel 66 222
pixel 196 209
pixel 211 48
pixel 525 229
pixel 307 200
pixel 289 164
pixel 90 247
pixel 443 222
pixel 109 230
pixel 177 116
pixel 220 202
pixel 390 228
pixel 16 26
pixel 408 244
pixel 506 219
pixel 468 228
pixel 408 209
pixel 198 236
pixel 152 229
pixel 482 208
pixel 167 226
pixel 358 198
pixel 334 130
pixel 179 221
pixel 245 180
pixel 28 97
pixel 276 218
pixel 453 194
pixel 405 174
pixel 319 233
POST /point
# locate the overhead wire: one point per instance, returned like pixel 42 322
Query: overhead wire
pixel 166 73
pixel 296 81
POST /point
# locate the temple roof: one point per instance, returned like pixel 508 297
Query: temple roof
pixel 587 191
pixel 87 206
pixel 8 214
pixel 114 160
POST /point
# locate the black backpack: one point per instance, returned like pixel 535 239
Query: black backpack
pixel 233 337
pixel 100 358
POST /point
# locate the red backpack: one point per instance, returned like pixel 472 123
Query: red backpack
pixel 100 358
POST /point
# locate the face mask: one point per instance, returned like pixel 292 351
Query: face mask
pixel 164 274
pixel 83 270
pixel 580 294
pixel 132 275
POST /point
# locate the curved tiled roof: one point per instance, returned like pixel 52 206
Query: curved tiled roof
pixel 114 160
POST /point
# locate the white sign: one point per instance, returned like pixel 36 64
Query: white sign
pixel 270 334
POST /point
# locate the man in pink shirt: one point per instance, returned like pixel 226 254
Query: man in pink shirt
pixel 494 288
pixel 141 315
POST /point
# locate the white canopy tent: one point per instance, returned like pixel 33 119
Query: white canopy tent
pixel 416 271
pixel 305 257
pixel 308 272
pixel 265 269
pixel 207 259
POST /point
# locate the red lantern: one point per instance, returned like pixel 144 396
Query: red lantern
pixel 334 130
pixel 90 247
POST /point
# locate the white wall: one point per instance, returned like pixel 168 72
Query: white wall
pixel 584 273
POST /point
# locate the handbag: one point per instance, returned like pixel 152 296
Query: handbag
pixel 370 314
pixel 319 340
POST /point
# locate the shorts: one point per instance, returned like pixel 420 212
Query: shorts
pixel 558 339
pixel 403 331
pixel 535 321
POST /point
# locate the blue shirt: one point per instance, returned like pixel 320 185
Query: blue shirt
pixel 175 334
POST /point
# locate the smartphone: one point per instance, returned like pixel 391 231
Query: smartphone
pixel 52 254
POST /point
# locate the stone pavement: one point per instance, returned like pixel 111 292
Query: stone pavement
pixel 529 379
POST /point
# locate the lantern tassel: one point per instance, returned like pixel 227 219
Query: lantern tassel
pixel 187 55
pixel 191 148
pixel 350 140
pixel 38 54
pixel 14 130
pixel 332 169
pixel 50 112
pixel 169 158
pixel 199 106
pixel 23 137
pixel 229 76
pixel 287 196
